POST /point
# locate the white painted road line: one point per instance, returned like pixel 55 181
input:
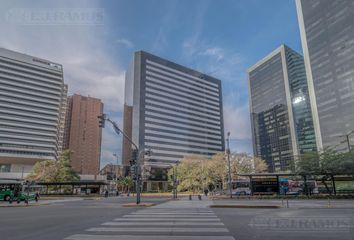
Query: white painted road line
pixel 161 230
pixel 163 224
pixel 168 219
pixel 145 237
pixel 175 210
pixel 180 218
pixel 177 213
pixel 168 216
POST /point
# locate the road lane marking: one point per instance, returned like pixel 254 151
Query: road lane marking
pixel 167 213
pixel 145 237
pixel 163 224
pixel 168 216
pixel 162 230
pixel 168 219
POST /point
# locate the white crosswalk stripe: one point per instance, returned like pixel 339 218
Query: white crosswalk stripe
pixel 145 237
pixel 178 220
pixel 164 224
pixel 168 219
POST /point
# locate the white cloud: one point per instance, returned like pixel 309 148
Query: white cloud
pixel 217 61
pixel 216 52
pixel 89 67
pixel 125 42
pixel 228 66
pixel 237 121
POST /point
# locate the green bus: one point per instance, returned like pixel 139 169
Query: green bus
pixel 14 190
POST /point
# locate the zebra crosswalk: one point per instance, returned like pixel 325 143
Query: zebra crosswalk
pixel 178 220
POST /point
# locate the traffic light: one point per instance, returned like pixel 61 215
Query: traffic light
pixel 101 120
pixel 134 155
pixel 133 172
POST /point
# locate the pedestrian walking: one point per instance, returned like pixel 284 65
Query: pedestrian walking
pixel 206 191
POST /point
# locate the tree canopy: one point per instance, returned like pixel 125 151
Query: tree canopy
pixel 327 162
pixel 196 173
pixel 54 171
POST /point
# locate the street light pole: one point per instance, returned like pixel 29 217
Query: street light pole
pixel 116 167
pixel 102 118
pixel 174 168
pixel 347 137
pixel 229 163
pixel 347 140
pixel 174 182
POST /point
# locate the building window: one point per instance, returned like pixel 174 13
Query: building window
pixel 5 167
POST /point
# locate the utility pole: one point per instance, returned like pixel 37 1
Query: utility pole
pixel 229 163
pixel 102 119
pixel 347 140
pixel 174 182
pixel 116 167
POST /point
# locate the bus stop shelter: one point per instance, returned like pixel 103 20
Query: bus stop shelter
pixel 266 182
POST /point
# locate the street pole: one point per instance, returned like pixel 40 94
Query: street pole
pixel 347 140
pixel 102 120
pixel 229 163
pixel 176 179
pixel 174 182
pixel 117 164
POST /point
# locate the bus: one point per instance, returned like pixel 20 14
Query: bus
pixel 14 190
pixel 241 187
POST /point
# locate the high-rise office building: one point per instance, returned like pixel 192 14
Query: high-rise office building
pixel 327 35
pixel 172 110
pixel 281 119
pixel 31 90
pixel 82 133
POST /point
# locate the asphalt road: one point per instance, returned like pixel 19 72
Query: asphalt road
pixel 289 224
pixel 59 220
pixel 182 220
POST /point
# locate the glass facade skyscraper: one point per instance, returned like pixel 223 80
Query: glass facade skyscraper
pixel 327 35
pixel 282 125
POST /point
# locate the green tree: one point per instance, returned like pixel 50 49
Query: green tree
pixel 260 165
pixel 308 164
pixel 125 183
pixel 196 173
pixel 54 171
pixel 347 165
pixel 327 163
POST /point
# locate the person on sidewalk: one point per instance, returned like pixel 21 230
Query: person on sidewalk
pixel 206 191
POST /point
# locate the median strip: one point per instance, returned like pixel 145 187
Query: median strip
pixel 139 205
pixel 244 206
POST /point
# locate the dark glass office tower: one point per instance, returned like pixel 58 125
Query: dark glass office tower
pixel 282 124
pixel 327 35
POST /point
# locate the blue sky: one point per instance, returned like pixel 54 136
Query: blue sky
pixel 220 37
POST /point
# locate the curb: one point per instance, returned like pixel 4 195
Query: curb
pixel 244 206
pixel 24 205
pixel 97 198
